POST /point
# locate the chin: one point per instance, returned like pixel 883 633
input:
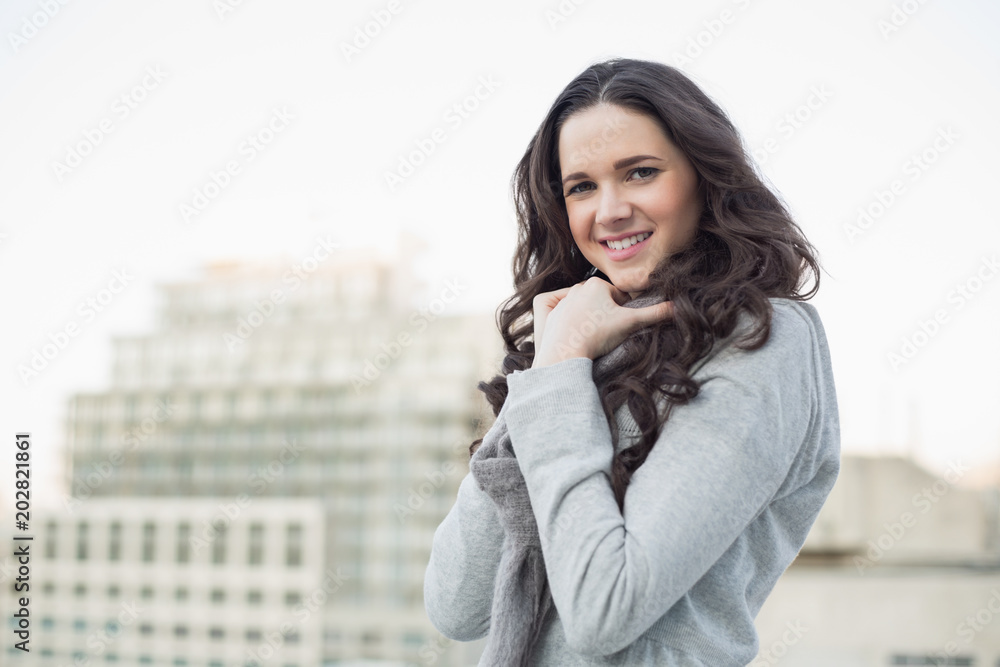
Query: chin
pixel 630 284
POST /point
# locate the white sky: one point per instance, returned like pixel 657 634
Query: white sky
pixel 324 172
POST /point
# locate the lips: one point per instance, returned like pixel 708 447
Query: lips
pixel 622 242
pixel 622 252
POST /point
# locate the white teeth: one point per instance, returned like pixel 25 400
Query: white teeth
pixel 628 242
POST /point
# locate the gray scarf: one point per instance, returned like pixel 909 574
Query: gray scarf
pixel 521 595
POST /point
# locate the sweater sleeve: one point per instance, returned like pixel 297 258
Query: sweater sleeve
pixel 465 555
pixel 717 463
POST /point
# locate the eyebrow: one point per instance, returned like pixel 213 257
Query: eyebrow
pixel 619 164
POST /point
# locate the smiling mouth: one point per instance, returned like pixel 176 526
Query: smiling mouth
pixel 622 244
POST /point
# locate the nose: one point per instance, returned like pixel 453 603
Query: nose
pixel 611 206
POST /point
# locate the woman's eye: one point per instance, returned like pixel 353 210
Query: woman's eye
pixel 575 189
pixel 650 170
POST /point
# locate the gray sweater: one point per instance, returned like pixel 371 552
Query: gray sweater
pixel 713 517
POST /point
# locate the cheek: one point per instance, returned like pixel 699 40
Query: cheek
pixel 665 204
pixel 578 225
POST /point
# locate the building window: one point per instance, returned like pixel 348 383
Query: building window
pixel 292 598
pixel 48 623
pixel 218 595
pixel 49 588
pixel 52 534
pixel 942 661
pixel 115 541
pixel 146 592
pixel 255 555
pixel 80 590
pixel 114 591
pixel 293 546
pixel 180 631
pixel 254 635
pixel 181 593
pixel 219 543
pixel 184 543
pixel 79 625
pixel 146 629
pixel 254 597
pixel 148 542
pixel 82 529
pixel 216 633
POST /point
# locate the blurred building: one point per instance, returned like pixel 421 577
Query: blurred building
pixel 284 427
pixel 182 581
pixel 902 567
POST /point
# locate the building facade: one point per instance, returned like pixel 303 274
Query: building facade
pixel 329 408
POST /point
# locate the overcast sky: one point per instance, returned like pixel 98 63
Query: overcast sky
pixel 118 115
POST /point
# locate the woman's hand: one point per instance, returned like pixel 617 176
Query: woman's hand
pixel 587 320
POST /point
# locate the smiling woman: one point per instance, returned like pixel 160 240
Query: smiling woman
pixel 627 215
pixel 667 426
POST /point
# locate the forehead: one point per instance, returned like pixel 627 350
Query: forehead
pixel 596 137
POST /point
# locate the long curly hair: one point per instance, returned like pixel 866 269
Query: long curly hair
pixel 746 249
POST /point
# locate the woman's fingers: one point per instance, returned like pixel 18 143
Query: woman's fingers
pixel 541 306
pixel 621 297
pixel 654 313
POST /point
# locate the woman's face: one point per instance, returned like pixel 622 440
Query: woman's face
pixel 625 182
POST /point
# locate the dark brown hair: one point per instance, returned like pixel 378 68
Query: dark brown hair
pixel 747 249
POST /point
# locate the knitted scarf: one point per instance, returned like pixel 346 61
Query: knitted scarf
pixel 521 596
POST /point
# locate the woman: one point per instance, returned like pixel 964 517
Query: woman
pixel 667 427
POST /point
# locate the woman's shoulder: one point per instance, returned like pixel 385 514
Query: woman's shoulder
pixel 796 332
